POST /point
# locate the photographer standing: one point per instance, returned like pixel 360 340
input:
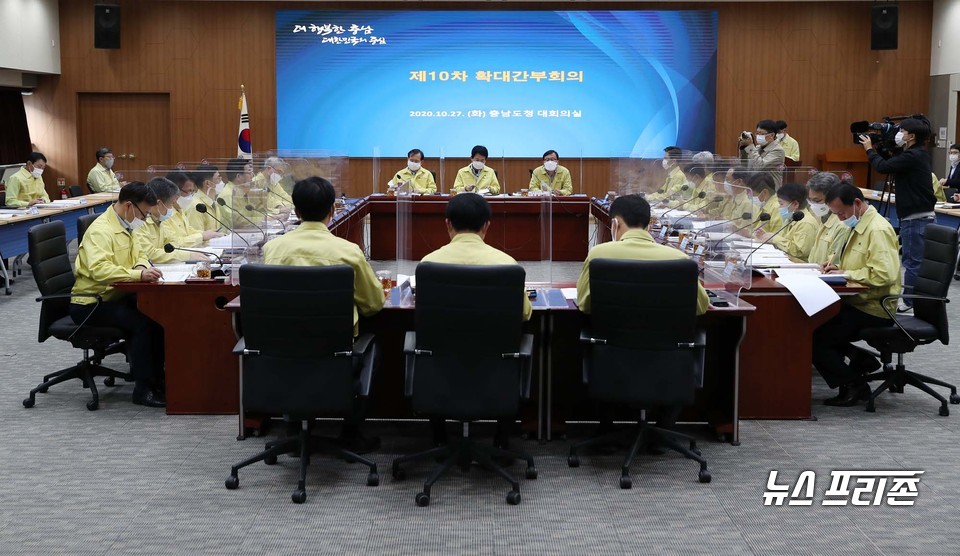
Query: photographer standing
pixel 914 196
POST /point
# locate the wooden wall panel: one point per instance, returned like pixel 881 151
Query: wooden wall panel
pixel 816 71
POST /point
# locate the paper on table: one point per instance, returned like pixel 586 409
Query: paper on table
pixel 805 271
pixel 176 276
pixel 813 294
pixel 569 293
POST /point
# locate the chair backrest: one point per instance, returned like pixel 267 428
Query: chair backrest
pixel 52 271
pixel 646 313
pixel 467 317
pixel 299 319
pixel 76 190
pixel 83 223
pixel 933 278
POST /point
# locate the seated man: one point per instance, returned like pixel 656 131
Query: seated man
pixel 832 235
pixel 675 180
pixel 798 237
pixel 468 218
pixel 477 176
pixel 312 244
pixel 765 199
pixel 551 177
pixel 25 188
pixel 237 195
pixel 178 228
pixel 414 178
pixel 271 179
pixel 207 180
pixel 109 254
pixel 869 258
pixel 152 236
pixel 100 178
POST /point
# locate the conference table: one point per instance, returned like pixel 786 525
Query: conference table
pixel 13 228
pixel 886 205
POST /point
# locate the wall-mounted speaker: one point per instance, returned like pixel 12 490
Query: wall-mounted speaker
pixel 106 26
pixel 883 26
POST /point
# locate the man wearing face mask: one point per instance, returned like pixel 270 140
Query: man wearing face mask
pixel 414 178
pixel 672 188
pixel 915 199
pixel 151 237
pixel 832 235
pixel 236 196
pixel 271 179
pixel 209 186
pixel 736 200
pixel 767 155
pixel 107 255
pixel 551 177
pixel 25 188
pixel 952 179
pixel 791 149
pixel 765 200
pixel 177 229
pixel 798 237
pixel 477 177
pixel 869 258
pixel 100 178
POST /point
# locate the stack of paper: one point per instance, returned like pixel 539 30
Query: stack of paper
pixel 813 294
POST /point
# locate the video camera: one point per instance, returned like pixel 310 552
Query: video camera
pixel 882 134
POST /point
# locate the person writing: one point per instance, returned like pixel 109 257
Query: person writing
pixel 551 177
pixel 798 237
pixel 100 178
pixel 109 254
pixel 477 177
pixel 869 258
pixel 25 188
pixel 414 178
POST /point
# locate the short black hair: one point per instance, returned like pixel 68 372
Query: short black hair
pixel 163 188
pixel 137 192
pixel 416 151
pixel 674 152
pixel 954 146
pixel 179 178
pixel 479 149
pixel 920 128
pixel 235 167
pixel 548 153
pixel 791 192
pixel 769 126
pixel 313 198
pixel 781 125
pixel 103 151
pixel 633 209
pixel 35 156
pixel 204 172
pixel 846 192
pixel 467 212
pixel 760 181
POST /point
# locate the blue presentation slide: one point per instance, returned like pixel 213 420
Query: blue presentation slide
pixel 585 83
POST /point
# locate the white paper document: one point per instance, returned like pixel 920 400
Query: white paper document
pixel 569 293
pixel 812 293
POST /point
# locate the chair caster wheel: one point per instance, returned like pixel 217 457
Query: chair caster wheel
pixel 109 381
pixel 398 474
pixel 944 411
pixel 270 460
pixel 704 476
pixel 232 482
pixel 92 405
pixel 299 496
pixel 513 497
pixel 626 482
pixel 871 408
pixel 373 479
pixel 43 390
pixel 954 399
pixel 423 499
pixel 573 461
pixel 531 473
pixel 27 402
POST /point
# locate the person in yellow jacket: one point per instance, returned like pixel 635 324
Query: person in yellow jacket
pixel 672 189
pixel 414 178
pixel 798 237
pixel 209 185
pixel 273 179
pixel 238 194
pixel 100 178
pixel 938 189
pixel 832 235
pixel 312 244
pixel 765 199
pixel 791 148
pixel 157 231
pixel 107 255
pixel 870 258
pixel 699 181
pixel 178 229
pixel 477 177
pixel 551 176
pixel 629 219
pixel 25 187
pixel 739 199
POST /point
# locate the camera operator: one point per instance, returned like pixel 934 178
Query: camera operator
pixel 767 155
pixel 914 197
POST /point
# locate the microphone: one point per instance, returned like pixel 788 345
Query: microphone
pixel 683 188
pixel 716 199
pixel 762 218
pixel 701 195
pixel 251 208
pixel 279 196
pixel 797 216
pixel 223 203
pixel 202 209
pixel 170 248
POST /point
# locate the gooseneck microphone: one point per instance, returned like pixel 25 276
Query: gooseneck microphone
pixel 701 195
pixel 762 218
pixel 170 248
pixel 223 203
pixel 202 209
pixel 797 216
pixel 715 200
pixel 251 208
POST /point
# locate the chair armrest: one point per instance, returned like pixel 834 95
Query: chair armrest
pixel 586 337
pixel 240 347
pixel 893 316
pixel 410 360
pixel 700 345
pixel 70 295
pixel 526 365
pixel 362 344
pixel 365 349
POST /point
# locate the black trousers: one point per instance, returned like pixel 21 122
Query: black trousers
pixel 831 342
pixel 144 336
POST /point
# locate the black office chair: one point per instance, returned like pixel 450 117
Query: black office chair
pixel 75 190
pixel 643 350
pixel 47 245
pixel 83 223
pixel 927 324
pixel 298 358
pixel 454 372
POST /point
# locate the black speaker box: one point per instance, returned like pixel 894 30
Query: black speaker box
pixel 884 22
pixel 106 26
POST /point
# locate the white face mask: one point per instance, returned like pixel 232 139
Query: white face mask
pixel 477 165
pixel 780 136
pixel 135 223
pixel 275 179
pixel 218 187
pixel 165 216
pixel 954 158
pixel 820 209
pixel 37 172
pixel 108 163
pixel 761 139
pixel 666 163
pixel 550 165
pixel 413 166
pixel 728 188
pixel 185 202
pixel 898 138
